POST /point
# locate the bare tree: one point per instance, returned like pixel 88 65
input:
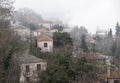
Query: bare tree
pixel 10 42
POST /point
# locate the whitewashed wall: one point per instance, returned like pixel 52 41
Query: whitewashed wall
pixel 49 48
pixel 46 25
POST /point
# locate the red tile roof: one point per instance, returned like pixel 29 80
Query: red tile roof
pixel 95 55
pixel 44 38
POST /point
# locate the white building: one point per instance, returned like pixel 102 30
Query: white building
pixel 39 32
pixel 46 24
pixel 101 33
pixel 43 31
pixel 53 31
pixel 45 43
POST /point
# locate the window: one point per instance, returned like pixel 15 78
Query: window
pixel 45 45
pixel 38 67
pixel 27 68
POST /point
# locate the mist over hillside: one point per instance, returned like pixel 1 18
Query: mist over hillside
pixel 27 15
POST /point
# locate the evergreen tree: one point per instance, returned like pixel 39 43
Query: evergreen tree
pixel 84 46
pixel 58 27
pixel 113 48
pixel 117 29
pixel 62 42
pixel 110 34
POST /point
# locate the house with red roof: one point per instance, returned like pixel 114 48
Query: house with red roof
pixel 45 43
pixel 98 57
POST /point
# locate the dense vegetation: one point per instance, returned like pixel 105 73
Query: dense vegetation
pixel 62 42
pixel 66 69
pixel 10 44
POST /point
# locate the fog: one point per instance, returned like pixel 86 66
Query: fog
pixel 89 13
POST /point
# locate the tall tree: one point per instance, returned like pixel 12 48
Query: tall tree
pixel 58 27
pixel 24 15
pixel 85 71
pixel 110 34
pixel 115 47
pixel 117 29
pixel 10 42
pixel 62 42
pixel 83 45
pixel 103 44
pixel 58 72
pixel 77 32
pixel 5 13
pixel 27 17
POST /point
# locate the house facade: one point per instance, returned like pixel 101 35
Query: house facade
pixel 31 68
pixel 45 43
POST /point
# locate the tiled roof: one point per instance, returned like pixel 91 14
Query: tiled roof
pixel 95 55
pixel 41 30
pixel 26 58
pixel 44 38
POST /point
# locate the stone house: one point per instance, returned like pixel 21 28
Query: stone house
pixel 45 43
pixel 30 68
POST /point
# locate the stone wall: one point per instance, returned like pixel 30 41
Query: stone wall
pixel 29 72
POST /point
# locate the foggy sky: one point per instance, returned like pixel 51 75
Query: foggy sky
pixel 89 13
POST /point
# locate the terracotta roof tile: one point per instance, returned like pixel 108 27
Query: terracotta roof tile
pixel 44 38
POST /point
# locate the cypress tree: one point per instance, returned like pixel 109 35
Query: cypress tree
pixel 83 45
